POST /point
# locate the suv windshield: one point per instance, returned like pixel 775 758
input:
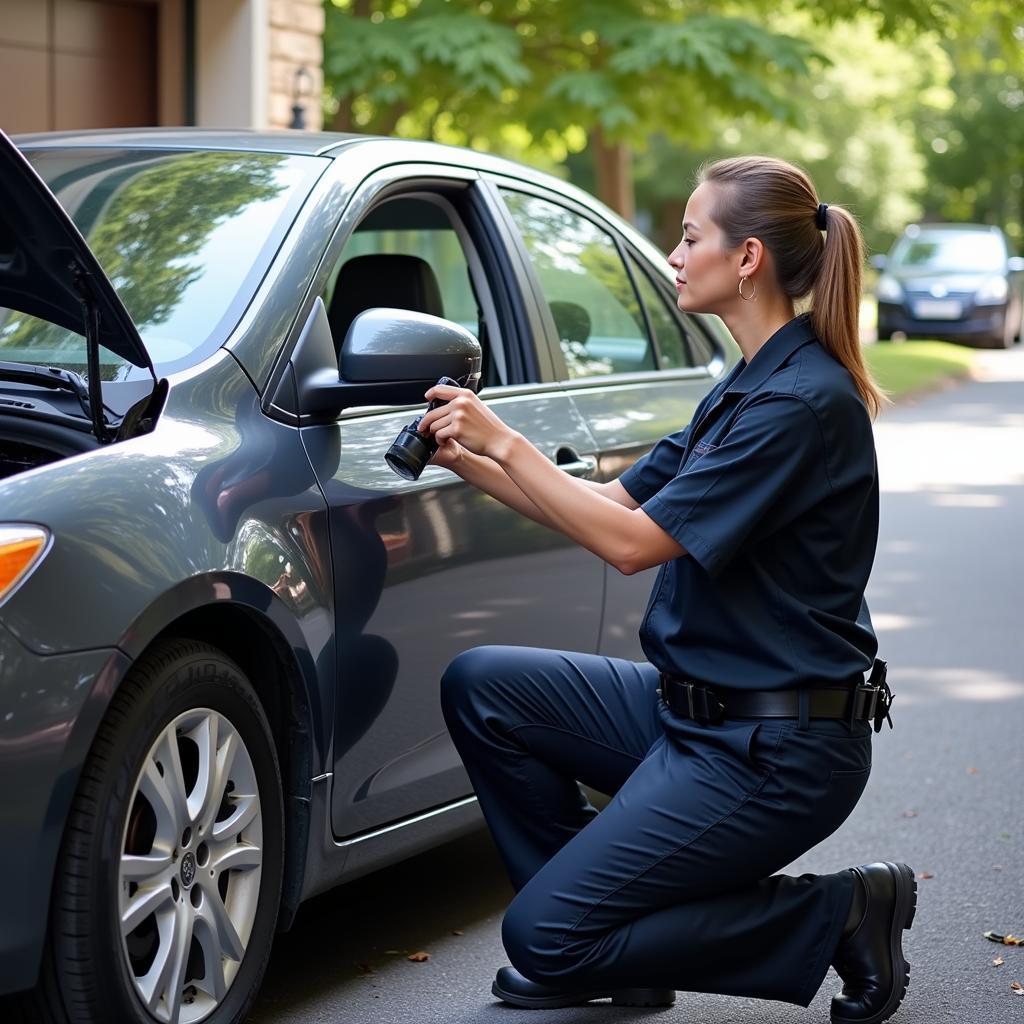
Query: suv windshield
pixel 185 239
pixel 940 251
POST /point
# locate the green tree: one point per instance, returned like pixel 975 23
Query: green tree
pixel 546 77
pixel 856 132
pixel 974 145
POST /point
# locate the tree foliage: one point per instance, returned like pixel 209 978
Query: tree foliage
pixel 536 77
pixel 871 95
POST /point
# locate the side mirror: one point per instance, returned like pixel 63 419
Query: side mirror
pixel 389 357
pixel 1015 264
pixel 396 347
pixel 878 261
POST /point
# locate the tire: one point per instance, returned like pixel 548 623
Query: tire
pixel 132 852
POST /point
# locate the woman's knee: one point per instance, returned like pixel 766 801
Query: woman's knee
pixel 534 941
pixel 466 677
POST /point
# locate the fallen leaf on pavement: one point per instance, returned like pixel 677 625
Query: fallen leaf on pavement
pixel 973 771
pixel 925 874
pixel 365 968
pixel 458 931
pixel 998 962
pixel 394 952
pixel 418 957
pixel 1006 940
pixel 910 814
pixel 1018 988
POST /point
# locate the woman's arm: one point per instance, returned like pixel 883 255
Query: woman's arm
pixel 626 538
pixel 488 476
pixel 623 536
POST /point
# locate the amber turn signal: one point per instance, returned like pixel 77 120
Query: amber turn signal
pixel 21 547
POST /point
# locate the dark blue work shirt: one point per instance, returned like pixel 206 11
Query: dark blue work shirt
pixel 773 491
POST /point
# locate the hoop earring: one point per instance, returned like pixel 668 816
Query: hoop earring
pixel 753 294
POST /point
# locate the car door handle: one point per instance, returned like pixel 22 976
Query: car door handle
pixel 568 460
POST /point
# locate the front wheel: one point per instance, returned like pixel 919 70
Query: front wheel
pixel 169 878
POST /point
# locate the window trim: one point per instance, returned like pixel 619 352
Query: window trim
pixel 481 285
pixel 711 366
pixel 551 331
pixel 390 182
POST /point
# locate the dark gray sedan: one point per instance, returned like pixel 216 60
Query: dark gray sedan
pixel 951 281
pixel 223 617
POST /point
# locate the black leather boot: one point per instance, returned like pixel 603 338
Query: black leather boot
pixel 869 957
pixel 511 987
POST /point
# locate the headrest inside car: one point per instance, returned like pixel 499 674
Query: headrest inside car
pixel 365 282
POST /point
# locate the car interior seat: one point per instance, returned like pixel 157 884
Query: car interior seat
pixel 382 279
pixel 398 281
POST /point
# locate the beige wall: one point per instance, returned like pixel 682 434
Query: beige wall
pixel 296 40
pixel 231 63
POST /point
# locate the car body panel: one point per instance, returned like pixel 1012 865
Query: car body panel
pixel 47 723
pixel 424 569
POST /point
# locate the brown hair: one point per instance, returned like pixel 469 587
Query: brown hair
pixel 761 197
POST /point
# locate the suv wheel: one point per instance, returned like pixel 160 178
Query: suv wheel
pixel 167 888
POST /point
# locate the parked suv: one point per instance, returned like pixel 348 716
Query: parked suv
pixel 223 617
pixel 951 281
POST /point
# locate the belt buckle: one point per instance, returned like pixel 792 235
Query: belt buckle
pixel 689 699
pixel 713 711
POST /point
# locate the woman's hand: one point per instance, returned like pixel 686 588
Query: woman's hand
pixel 467 421
pixel 448 455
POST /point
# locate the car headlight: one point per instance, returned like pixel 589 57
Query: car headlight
pixel 992 290
pixel 21 549
pixel 889 289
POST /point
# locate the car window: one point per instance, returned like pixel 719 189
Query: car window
pixel 939 251
pixel 407 253
pixel 673 347
pixel 185 239
pixel 593 304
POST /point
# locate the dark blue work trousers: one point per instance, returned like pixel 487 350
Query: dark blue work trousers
pixel 671 885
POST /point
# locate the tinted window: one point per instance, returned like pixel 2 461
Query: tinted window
pixel 600 325
pixel 673 350
pixel 418 227
pixel 185 239
pixel 936 251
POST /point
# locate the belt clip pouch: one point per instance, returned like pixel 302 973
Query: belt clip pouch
pixel 884 696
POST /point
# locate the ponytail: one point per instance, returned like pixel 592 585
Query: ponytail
pixel 836 310
pixel 775 201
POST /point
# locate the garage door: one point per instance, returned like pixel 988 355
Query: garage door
pixel 69 64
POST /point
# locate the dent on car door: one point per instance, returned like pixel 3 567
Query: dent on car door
pixel 633 366
pixel 426 569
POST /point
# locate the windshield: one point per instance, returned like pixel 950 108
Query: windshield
pixel 980 252
pixel 185 239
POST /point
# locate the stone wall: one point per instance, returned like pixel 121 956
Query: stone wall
pixel 296 40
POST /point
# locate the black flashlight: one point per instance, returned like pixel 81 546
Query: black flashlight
pixel 411 450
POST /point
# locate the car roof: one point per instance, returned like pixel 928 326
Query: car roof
pixel 251 141
pixel 383 149
pixel 940 226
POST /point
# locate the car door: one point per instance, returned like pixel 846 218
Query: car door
pixel 633 366
pixel 426 569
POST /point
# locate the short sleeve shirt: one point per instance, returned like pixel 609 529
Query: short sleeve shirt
pixel 773 491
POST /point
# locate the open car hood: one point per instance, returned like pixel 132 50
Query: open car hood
pixel 46 267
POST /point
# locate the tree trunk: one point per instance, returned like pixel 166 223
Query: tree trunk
pixel 613 164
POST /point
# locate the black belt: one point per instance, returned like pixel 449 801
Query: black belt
pixel 858 702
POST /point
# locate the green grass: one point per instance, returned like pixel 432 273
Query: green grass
pixel 904 367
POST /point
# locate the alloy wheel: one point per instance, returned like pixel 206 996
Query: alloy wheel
pixel 190 867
